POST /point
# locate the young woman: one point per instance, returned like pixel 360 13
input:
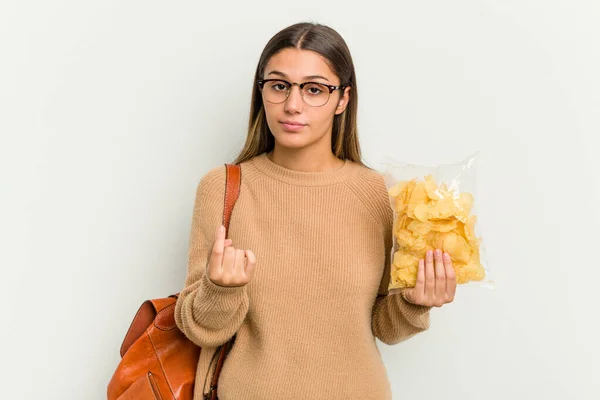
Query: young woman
pixel 302 279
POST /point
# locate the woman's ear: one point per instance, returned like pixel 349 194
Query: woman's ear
pixel 343 101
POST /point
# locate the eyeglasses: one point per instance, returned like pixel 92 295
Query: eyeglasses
pixel 314 94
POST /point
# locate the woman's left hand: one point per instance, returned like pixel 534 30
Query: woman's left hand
pixel 436 281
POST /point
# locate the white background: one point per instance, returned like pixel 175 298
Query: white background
pixel 111 111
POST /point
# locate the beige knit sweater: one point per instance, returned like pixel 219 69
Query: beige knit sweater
pixel 307 322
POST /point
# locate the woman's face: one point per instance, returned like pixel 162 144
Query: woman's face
pixel 294 123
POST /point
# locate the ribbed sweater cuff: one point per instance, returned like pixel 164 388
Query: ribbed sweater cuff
pixel 412 311
pixel 213 298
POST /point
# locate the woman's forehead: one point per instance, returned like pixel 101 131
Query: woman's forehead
pixel 299 65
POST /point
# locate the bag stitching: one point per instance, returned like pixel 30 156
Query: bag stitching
pixel 160 364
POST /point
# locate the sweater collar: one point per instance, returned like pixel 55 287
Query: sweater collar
pixel 275 171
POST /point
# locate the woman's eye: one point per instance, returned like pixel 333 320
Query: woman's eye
pixel 279 87
pixel 313 89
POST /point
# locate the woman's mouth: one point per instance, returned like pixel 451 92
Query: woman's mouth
pixel 292 126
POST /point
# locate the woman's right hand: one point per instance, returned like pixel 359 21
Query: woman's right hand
pixel 228 266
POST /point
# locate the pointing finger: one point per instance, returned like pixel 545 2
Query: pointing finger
pixel 216 257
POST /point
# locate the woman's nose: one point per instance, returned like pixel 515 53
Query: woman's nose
pixel 294 102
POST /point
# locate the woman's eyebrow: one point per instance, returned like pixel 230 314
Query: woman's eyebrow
pixel 306 78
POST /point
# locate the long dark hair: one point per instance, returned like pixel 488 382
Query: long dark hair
pixel 328 43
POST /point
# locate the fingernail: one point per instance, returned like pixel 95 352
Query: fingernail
pixel 222 228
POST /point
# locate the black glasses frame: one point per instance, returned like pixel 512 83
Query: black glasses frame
pixel 332 88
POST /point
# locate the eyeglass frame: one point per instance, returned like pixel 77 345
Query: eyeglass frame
pixel 332 88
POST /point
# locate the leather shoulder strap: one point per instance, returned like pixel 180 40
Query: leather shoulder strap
pixel 232 191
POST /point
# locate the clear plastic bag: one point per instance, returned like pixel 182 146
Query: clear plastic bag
pixel 436 207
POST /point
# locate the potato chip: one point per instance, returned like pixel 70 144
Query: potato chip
pixel 419 227
pixel 431 187
pixel 398 190
pixel 465 202
pixel 457 247
pixel 405 237
pixel 444 191
pixel 402 259
pixel 470 229
pixel 404 269
pixel 444 208
pixel 444 225
pixel 421 212
pixel 417 197
pixel 437 240
pixel 400 205
pixel 419 245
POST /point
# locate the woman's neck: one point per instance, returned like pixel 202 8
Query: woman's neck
pixel 305 160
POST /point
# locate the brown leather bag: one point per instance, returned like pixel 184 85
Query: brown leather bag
pixel 158 361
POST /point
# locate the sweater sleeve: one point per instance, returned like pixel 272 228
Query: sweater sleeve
pixel 208 314
pixel 394 319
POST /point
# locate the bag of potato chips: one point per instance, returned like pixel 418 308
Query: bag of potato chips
pixel 435 207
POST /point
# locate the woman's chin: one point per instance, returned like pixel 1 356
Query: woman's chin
pixel 291 140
